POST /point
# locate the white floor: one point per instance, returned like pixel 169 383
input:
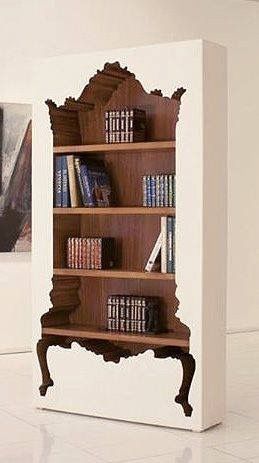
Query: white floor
pixel 28 435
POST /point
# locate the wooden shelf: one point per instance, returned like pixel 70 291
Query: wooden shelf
pixel 81 331
pixel 113 274
pixel 110 147
pixel 114 210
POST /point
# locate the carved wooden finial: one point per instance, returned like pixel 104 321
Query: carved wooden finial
pixel 177 95
pixel 156 92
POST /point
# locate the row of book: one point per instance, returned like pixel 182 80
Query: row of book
pixel 78 182
pixel 158 190
pixel 133 314
pixel 126 125
pixel 90 253
pixel 163 252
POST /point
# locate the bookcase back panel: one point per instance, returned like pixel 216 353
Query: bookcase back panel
pixel 94 292
pixel 161 113
pixel 134 236
pixel 126 171
pixel 63 228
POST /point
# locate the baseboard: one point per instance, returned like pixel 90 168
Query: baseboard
pixel 21 350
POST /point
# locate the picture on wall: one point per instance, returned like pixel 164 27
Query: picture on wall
pixel 15 177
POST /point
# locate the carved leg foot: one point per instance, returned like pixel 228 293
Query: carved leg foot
pixel 42 349
pixel 188 364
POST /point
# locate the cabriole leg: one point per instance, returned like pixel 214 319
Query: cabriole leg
pixel 188 364
pixel 42 349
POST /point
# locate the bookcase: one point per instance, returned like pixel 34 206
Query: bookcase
pixel 134 376
pixel 79 296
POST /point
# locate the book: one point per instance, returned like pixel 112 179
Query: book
pixel 133 314
pixel 77 163
pixel 170 244
pixel 127 125
pixel 72 181
pixel 153 256
pixel 64 184
pixel 90 253
pixel 58 181
pixel 164 245
pixel 99 183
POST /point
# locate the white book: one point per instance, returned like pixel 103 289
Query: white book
pixel 154 254
pixel 164 245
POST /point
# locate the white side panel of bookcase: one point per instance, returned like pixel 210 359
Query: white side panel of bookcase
pixel 142 388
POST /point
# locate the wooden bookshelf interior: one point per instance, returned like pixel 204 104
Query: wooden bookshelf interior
pixel 79 296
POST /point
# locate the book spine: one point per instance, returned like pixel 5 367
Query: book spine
pixel 157 190
pixel 79 252
pixel 127 125
pixel 84 253
pixel 170 264
pixel 162 192
pixel 106 126
pixel 117 314
pixel 131 126
pixel 73 189
pixel 122 314
pixel 88 253
pixel 164 245
pixel 110 126
pixel 79 179
pixel 144 190
pixel 69 253
pixel 109 313
pixel 153 190
pixel 117 123
pixel 87 185
pixel 76 254
pixel 154 253
pixel 149 202
pixel 166 196
pixel 58 181
pixel 170 190
pixel 174 190
pixel 127 314
pixel 122 126
pixel 98 258
pixel 92 254
pixel 64 189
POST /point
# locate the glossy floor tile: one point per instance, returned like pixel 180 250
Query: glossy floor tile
pixel 28 435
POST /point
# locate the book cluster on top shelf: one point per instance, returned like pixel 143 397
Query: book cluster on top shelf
pixel 127 125
pixel 133 314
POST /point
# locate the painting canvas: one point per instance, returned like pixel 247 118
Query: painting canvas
pixel 15 177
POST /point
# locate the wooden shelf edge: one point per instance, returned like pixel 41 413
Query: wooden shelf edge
pixel 114 211
pixel 147 145
pixel 113 274
pixel 80 331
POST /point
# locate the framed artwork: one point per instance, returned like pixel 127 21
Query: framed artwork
pixel 15 177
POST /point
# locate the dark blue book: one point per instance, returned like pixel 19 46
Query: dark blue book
pixel 58 182
pixel 149 202
pixel 99 184
pixel 87 182
pixel 65 187
pixel 170 244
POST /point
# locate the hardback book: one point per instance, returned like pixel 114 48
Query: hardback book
pixel 170 244
pixel 154 254
pixel 90 253
pixel 164 245
pixel 64 185
pixel 58 181
pixel 73 183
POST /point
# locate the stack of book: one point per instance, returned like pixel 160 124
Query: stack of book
pixel 79 182
pixel 164 248
pixel 90 253
pixel 158 190
pixel 127 125
pixel 133 314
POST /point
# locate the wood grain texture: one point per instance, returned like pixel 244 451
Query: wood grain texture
pixel 82 331
pixel 110 147
pixel 113 274
pixel 114 211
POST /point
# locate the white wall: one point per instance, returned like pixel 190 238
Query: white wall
pixel 46 28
